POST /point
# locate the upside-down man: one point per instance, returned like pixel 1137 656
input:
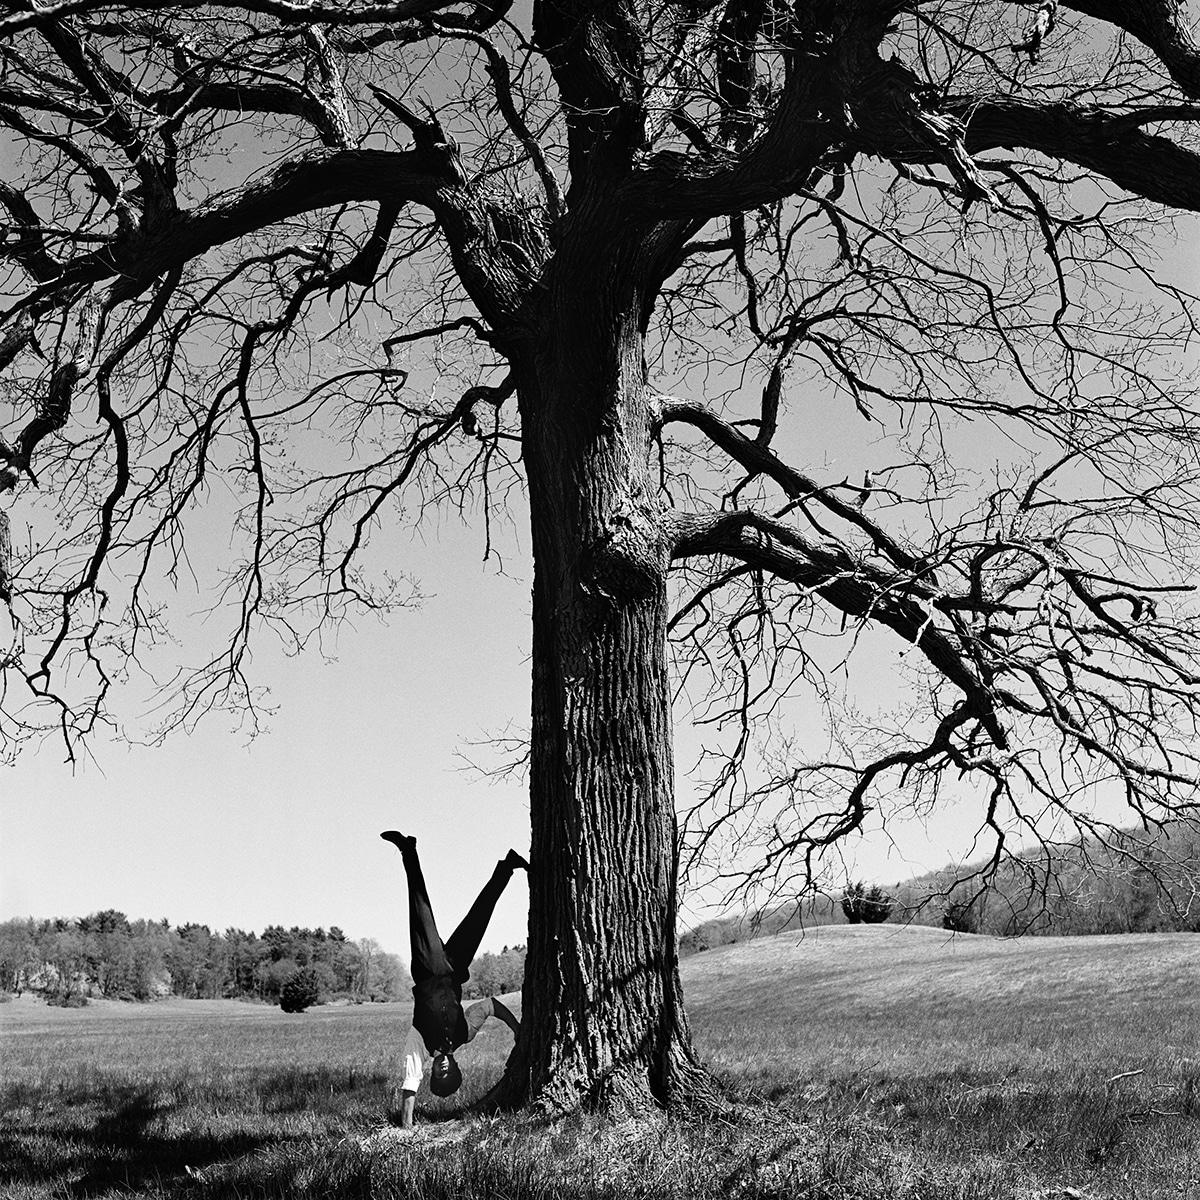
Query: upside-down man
pixel 439 970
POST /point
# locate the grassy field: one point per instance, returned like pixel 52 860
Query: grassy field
pixel 862 1064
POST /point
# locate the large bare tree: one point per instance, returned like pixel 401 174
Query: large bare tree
pixel 302 270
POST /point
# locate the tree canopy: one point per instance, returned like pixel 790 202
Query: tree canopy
pixel 802 329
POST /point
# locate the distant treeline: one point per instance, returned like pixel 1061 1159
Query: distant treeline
pixel 107 954
pixel 1131 882
pixel 495 974
pixel 1128 882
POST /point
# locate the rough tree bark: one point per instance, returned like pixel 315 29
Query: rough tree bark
pixel 603 1021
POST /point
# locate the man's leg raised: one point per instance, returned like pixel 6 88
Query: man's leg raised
pixel 429 957
pixel 463 943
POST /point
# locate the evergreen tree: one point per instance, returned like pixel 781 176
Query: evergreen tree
pixel 301 991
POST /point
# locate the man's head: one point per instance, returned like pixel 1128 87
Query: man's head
pixel 446 1078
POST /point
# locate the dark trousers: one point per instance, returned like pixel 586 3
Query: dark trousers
pixel 431 957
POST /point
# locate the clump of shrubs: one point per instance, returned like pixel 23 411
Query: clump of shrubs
pixel 300 992
pixel 68 1000
pixel 866 906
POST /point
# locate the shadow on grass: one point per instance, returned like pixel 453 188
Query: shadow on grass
pixel 66 1144
pixel 92 1136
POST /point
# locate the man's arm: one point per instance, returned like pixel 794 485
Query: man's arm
pixel 416 1058
pixel 479 1012
pixel 505 1014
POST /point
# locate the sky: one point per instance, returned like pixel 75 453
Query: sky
pixel 285 829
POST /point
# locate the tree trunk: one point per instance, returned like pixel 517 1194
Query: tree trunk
pixel 603 1022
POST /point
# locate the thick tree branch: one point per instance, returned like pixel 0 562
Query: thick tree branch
pixel 29 246
pixel 282 10
pixel 225 96
pixel 364 266
pixel 14 338
pixel 756 458
pixel 502 81
pixel 596 52
pixel 320 180
pixel 97 79
pixel 894 118
pixel 498 246
pixel 1162 25
pixel 737 73
pixel 851 585
pixel 98 176
pixel 1112 145
pixel 54 406
pixel 828 51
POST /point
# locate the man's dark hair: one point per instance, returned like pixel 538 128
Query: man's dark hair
pixel 446 1078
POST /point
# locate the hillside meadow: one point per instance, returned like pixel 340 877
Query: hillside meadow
pixel 882 1063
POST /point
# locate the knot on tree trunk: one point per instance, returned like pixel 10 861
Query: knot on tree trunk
pixel 628 563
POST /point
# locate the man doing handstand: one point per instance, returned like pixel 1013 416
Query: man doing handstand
pixel 439 970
